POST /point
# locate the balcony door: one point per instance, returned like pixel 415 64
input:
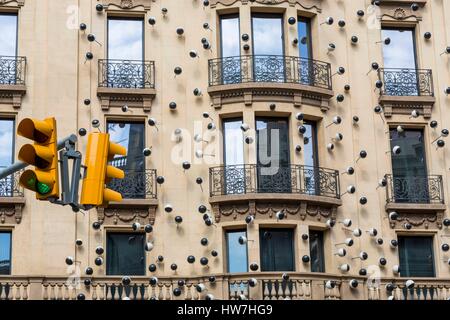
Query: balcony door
pixel 311 178
pixel 400 62
pixel 8 48
pixel 273 156
pixel 131 136
pixel 277 250
pixel 409 168
pixel 305 66
pixel 7 185
pixel 268 48
pixel 230 63
pixel 126 68
pixel 234 178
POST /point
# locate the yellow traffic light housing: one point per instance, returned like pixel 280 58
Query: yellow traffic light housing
pixel 43 155
pixel 98 153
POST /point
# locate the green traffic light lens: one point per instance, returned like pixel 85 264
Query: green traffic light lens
pixel 42 188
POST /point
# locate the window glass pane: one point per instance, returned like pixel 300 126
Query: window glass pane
pixel 304 38
pixel 5 253
pixel 229 37
pixel 236 253
pixel 310 144
pixel 6 142
pixel 400 53
pixel 267 35
pixel 409 169
pixel 316 251
pixel 125 254
pixel 416 256
pixel 8 35
pixel 277 250
pixel 233 142
pixel 125 39
pixel 130 135
pixel 273 155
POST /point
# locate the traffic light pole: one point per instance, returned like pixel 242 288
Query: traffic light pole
pixel 22 165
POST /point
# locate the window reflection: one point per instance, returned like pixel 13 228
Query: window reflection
pixel 230 49
pixel 125 39
pixel 5 253
pixel 6 142
pixel 236 253
pixel 8 34
pixel 401 52
pixel 316 248
pixel 125 254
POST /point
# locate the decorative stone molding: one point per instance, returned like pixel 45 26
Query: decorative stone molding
pixel 305 4
pixel 12 95
pixel 404 105
pixel 248 93
pixel 11 210
pixel 267 210
pixel 399 14
pixel 128 4
pixel 428 216
pixel 128 211
pixel 133 98
pixel 19 3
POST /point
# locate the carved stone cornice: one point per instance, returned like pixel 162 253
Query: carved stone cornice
pixel 128 211
pixel 128 4
pixel 134 98
pixel 19 3
pixel 427 216
pixel 404 105
pixel 12 95
pixel 11 210
pixel 305 4
pixel 247 93
pixel 399 14
pixel 265 209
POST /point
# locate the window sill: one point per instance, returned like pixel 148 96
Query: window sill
pixel 250 92
pixel 12 94
pixel 11 210
pixel 405 104
pixel 129 211
pixel 134 98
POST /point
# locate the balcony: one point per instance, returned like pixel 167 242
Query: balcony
pixel 418 200
pixel 126 82
pixel 270 78
pixel 269 286
pixel 302 191
pixel 405 90
pixel 11 199
pixel 140 200
pixel 12 80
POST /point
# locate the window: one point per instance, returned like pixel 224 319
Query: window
pixel 130 135
pixel 233 153
pixel 6 155
pixel 8 36
pixel 268 48
pixel 125 254
pixel 237 260
pixel 5 253
pixel 274 171
pixel 311 159
pixel 230 49
pixel 125 39
pixel 416 256
pixel 277 249
pixel 304 38
pixel 409 168
pixel 401 52
pixel 316 249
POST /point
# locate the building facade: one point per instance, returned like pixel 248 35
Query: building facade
pixel 294 149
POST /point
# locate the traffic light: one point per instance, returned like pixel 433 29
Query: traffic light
pixel 98 153
pixel 43 155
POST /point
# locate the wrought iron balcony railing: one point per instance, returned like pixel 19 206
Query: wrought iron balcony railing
pixel 414 189
pixel 138 184
pixel 299 179
pixel 126 74
pixel 9 186
pixel 269 68
pixel 12 70
pixel 406 82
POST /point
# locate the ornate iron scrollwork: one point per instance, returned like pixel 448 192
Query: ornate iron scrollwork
pixel 12 70
pixel 245 179
pixel 126 74
pixel 10 187
pixel 269 68
pixel 140 184
pixel 406 82
pixel 415 189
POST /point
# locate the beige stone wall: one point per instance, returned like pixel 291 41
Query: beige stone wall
pixel 59 79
